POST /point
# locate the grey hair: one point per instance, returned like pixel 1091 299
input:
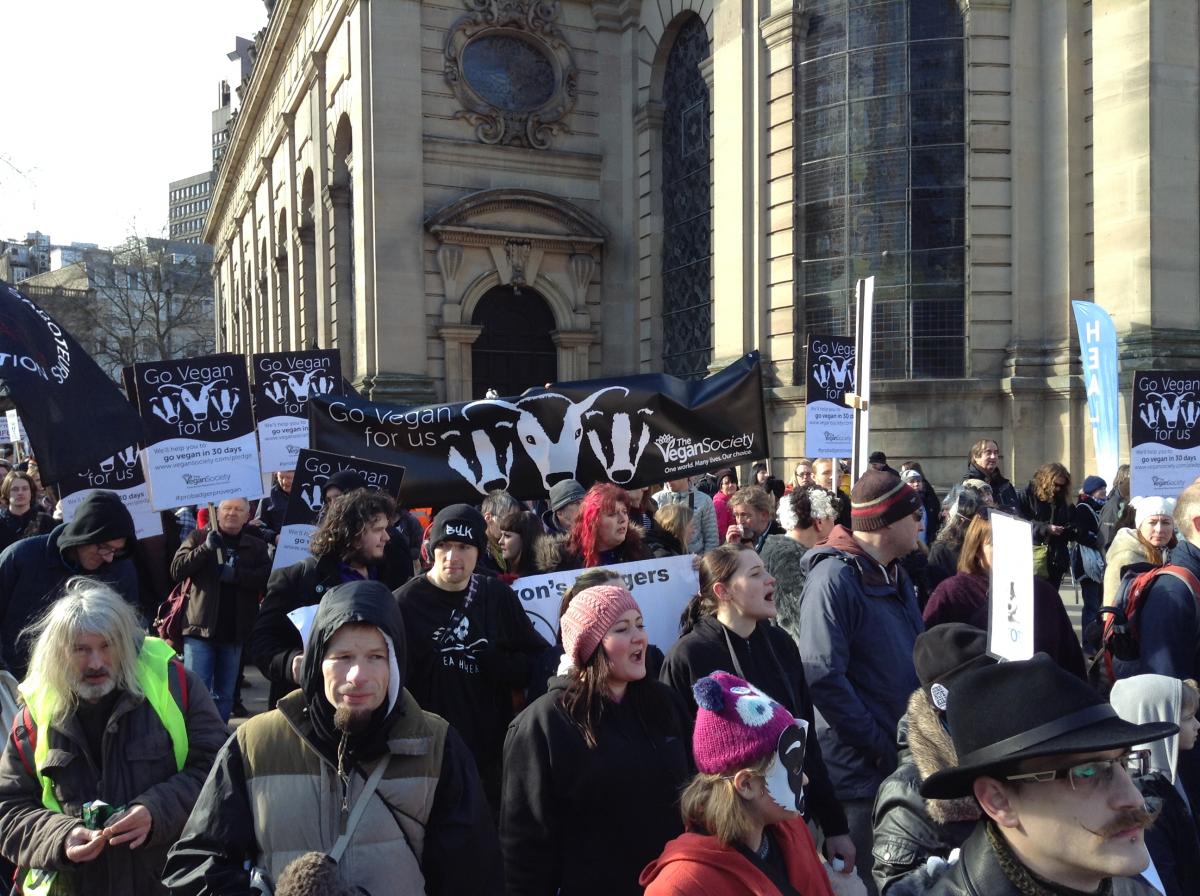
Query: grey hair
pixel 499 503
pixel 86 607
pixel 820 502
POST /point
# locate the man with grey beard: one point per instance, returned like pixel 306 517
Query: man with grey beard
pixel 350 745
pixel 109 715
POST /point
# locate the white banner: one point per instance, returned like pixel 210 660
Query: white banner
pixel 189 471
pixel 1010 614
pixel 292 544
pixel 146 521
pixel 662 589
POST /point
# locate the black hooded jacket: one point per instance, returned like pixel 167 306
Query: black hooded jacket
pixel 33 570
pixel 461 851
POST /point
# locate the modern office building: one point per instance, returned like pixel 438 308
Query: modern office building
pixel 475 194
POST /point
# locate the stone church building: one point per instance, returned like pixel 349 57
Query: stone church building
pixel 471 194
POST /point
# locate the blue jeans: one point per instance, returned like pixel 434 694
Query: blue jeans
pixel 216 665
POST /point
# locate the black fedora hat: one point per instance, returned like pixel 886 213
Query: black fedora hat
pixel 999 715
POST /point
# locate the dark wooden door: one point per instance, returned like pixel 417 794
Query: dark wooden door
pixel 515 350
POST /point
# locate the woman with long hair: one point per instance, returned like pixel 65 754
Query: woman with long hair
pixel 1044 503
pixel 641 507
pixel 593 768
pixel 727 625
pixel 673 527
pixel 600 536
pixel 745 832
pixel 20 516
pixel 520 532
pixel 1146 545
pixel 964 598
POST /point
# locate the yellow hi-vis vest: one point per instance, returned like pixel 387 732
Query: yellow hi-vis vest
pixel 153 668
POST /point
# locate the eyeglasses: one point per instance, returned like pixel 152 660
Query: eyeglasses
pixel 105 551
pixel 1089 775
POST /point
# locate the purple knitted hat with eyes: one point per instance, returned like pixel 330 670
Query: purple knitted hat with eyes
pixel 736 725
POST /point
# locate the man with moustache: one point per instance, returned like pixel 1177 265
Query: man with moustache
pixel 1051 766
pixel 348 763
pixel 110 714
pixel 471 646
pixel 349 545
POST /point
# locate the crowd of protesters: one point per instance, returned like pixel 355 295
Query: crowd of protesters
pixel 828 721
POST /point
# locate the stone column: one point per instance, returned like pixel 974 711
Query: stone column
pixel 458 339
pixel 339 332
pixel 572 348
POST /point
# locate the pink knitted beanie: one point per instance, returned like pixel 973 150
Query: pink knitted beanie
pixel 736 725
pixel 591 614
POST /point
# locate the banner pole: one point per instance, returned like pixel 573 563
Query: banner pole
pixel 212 527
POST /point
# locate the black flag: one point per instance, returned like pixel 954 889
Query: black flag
pixel 74 414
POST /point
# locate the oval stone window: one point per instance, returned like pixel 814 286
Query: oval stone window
pixel 510 73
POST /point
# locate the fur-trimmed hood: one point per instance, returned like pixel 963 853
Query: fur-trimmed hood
pixel 931 749
pixel 1126 550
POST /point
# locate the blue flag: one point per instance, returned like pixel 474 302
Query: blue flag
pixel 1098 345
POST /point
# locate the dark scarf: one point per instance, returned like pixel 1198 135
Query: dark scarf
pixel 346 750
pixel 1026 882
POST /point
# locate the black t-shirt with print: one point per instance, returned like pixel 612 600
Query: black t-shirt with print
pixel 469 662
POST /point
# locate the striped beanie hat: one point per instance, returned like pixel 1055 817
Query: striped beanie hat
pixel 878 499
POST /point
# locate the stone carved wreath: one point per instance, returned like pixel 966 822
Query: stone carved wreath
pixel 512 71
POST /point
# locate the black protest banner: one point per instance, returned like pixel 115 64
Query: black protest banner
pixel 283 382
pixel 306 503
pixel 1164 432
pixel 74 414
pixel 828 423
pixel 632 431
pixel 200 443
pixel 122 473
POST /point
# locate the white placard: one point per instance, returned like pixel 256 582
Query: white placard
pixel 1010 614
pixel 16 429
pixel 302 618
pixel 291 546
pixel 146 520
pixel 662 589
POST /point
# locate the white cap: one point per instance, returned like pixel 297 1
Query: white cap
pixel 1152 505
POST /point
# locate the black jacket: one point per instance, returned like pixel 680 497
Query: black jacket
pixel 33 570
pixel 1172 840
pixel 770 661
pixel 909 828
pixel 31 522
pixel 274 640
pixel 1043 515
pixel 1085 517
pixel 579 821
pixel 197 560
pixel 469 664
pixel 978 873
pixel 1168 623
pixel 1004 493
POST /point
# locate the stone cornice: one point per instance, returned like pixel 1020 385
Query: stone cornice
pixel 783 27
pixel 616 15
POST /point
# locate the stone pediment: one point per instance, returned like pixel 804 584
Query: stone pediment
pixel 490 217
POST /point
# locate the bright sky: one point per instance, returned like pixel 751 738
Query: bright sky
pixel 107 104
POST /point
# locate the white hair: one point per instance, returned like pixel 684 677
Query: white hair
pixel 820 502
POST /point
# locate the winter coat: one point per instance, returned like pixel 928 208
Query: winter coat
pixel 697 863
pixel 273 510
pixel 909 828
pixel 661 543
pixel 137 766
pixel 197 560
pixel 781 555
pixel 933 512
pixel 858 626
pixel 1004 493
pixel 943 560
pixel 554 554
pixel 276 794
pixel 579 821
pixel 34 570
pixel 274 639
pixel 768 659
pixel 1043 515
pixel 1168 623
pixel 31 522
pixel 978 873
pixel 964 598
pixel 1126 550
pixel 705 536
pixel 1110 518
pixel 1086 519
pixel 723 512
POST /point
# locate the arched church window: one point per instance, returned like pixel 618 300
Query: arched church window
pixel 687 206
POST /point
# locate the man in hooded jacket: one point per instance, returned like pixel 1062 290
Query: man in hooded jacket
pixel 97 543
pixel 286 783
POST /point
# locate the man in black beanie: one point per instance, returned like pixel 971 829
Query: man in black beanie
pixel 858 624
pixel 97 543
pixel 471 647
